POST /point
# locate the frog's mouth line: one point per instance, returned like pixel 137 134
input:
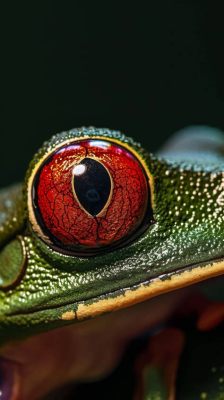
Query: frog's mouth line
pixel 162 284
pixel 129 296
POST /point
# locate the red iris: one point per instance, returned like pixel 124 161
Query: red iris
pixel 89 194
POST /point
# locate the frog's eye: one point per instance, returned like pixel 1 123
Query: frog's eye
pixel 88 194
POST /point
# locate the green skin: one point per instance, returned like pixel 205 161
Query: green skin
pixel 189 231
pixel 39 285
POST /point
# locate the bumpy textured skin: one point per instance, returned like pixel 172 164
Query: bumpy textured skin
pixel 188 198
pixel 12 212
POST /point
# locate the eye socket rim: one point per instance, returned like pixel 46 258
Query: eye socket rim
pixel 121 244
pixel 147 220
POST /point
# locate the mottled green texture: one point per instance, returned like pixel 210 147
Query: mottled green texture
pixel 12 212
pixel 189 229
pixel 12 255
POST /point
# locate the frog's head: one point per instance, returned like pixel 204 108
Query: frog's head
pixel 101 224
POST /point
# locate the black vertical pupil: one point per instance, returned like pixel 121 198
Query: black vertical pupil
pixel 92 185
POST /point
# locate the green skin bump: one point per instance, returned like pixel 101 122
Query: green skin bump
pixel 189 230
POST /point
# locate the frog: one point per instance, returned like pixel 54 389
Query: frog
pixel 101 226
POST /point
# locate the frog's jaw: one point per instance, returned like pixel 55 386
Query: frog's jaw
pixel 147 290
pixel 26 323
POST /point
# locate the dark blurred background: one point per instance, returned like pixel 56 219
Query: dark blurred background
pixel 145 69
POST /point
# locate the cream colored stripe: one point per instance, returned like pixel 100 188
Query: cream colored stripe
pixel 152 289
